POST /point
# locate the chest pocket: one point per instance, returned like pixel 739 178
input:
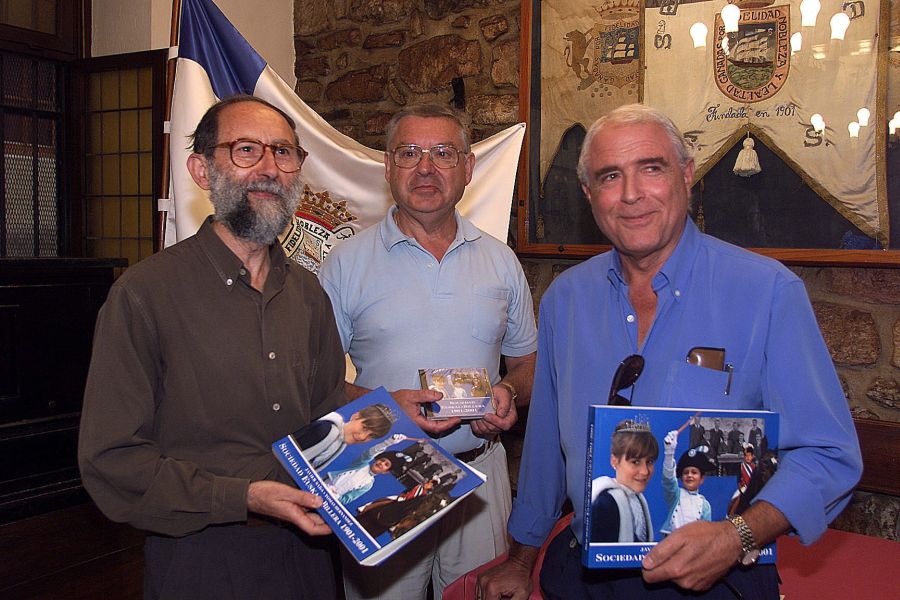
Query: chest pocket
pixel 490 306
pixel 700 387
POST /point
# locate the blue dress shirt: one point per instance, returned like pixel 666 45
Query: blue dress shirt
pixel 709 293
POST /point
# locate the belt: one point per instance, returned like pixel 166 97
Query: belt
pixel 470 455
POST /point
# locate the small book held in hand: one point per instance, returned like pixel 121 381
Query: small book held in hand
pixel 467 393
pixel 382 480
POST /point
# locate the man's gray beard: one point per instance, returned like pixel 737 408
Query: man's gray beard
pixel 232 207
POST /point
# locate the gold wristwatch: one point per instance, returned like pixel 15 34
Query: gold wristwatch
pixel 749 547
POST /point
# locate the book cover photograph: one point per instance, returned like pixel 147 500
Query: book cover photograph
pixel 382 480
pixel 467 392
pixel 652 470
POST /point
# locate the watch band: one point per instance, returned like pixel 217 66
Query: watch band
pixel 749 547
pixel 511 388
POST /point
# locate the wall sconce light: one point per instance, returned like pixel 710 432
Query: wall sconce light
pixel 892 126
pixel 817 122
pixel 853 128
pixel 731 14
pixel 698 34
pixel 796 43
pixel 862 116
pixel 839 24
pixel 809 10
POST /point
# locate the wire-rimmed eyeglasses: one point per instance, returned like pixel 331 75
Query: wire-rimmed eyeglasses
pixel 248 153
pixel 626 374
pixel 443 156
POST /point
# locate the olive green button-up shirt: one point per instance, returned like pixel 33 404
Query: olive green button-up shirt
pixel 194 374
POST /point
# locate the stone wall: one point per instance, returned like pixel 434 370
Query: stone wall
pixel 358 61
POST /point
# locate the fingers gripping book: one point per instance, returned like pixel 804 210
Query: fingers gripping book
pixel 650 471
pixel 382 480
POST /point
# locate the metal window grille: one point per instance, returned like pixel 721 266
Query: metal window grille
pixel 30 124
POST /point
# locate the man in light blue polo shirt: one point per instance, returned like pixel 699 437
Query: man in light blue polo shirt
pixel 427 289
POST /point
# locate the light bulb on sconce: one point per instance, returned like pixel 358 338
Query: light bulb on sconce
pixel 731 14
pixel 698 34
pixel 839 24
pixel 862 116
pixel 853 128
pixel 817 122
pixel 892 126
pixel 809 10
pixel 796 43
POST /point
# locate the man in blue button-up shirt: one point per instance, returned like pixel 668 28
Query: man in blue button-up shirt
pixel 664 289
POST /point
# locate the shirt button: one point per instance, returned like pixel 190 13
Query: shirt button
pixel 243 271
pixel 630 318
pixel 276 407
pixel 271 356
pixel 677 293
pixel 229 281
pixel 430 265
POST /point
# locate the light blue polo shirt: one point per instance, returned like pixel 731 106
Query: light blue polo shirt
pixel 399 310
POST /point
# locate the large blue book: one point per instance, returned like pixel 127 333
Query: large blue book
pixel 653 470
pixel 382 480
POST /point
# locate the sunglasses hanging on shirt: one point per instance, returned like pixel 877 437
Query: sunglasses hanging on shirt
pixel 626 375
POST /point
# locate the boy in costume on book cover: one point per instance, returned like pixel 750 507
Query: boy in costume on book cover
pixel 686 504
pixel 323 440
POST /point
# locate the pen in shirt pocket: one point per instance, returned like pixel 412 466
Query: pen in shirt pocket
pixel 711 358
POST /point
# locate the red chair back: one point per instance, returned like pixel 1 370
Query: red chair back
pixel 464 587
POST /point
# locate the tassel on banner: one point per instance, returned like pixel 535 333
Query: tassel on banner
pixel 747 163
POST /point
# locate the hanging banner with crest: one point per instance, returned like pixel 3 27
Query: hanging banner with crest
pixel 770 77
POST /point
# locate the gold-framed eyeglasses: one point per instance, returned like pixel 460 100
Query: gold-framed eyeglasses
pixel 443 156
pixel 247 153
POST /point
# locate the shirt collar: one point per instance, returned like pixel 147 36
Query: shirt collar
pixel 229 267
pixel 391 234
pixel 676 270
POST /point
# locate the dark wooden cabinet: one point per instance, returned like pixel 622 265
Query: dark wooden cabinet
pixel 48 308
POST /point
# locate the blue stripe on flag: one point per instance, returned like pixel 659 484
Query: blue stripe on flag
pixel 209 39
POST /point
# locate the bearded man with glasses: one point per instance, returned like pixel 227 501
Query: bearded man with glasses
pixel 203 355
pixel 426 289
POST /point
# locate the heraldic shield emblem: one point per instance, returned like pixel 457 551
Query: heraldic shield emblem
pixel 752 63
pixel 609 53
pixel 318 224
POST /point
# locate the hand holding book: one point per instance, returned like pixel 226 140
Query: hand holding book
pixel 375 491
pixel 502 420
pixel 411 401
pixel 288 504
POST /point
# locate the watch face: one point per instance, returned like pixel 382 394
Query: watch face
pixel 750 557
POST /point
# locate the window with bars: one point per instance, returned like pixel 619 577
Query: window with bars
pixel 119 175
pixel 31 115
